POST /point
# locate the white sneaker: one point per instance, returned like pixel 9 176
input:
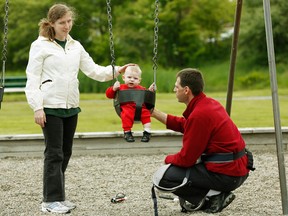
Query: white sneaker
pixel 69 204
pixel 55 207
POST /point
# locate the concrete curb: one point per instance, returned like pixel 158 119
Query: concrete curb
pixel 165 141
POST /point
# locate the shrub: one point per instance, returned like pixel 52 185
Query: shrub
pixel 255 79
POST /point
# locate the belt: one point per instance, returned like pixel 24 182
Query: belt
pixel 223 157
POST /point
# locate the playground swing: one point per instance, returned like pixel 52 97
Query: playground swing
pixel 140 97
pixel 4 52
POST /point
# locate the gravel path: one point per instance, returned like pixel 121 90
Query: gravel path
pixel 92 181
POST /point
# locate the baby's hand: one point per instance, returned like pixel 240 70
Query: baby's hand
pixel 152 87
pixel 116 86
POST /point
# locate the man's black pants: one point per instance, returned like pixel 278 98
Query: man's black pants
pixel 200 182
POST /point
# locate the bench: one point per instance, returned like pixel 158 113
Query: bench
pixel 15 84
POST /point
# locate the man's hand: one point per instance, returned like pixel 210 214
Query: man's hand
pixel 160 116
pixel 152 87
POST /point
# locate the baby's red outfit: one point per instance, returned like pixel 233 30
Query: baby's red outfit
pixel 128 109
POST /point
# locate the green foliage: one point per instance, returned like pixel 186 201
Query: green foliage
pixel 184 28
pixel 254 79
pixel 89 85
pixel 190 35
pixel 191 31
pixel 22 29
pixel 253 39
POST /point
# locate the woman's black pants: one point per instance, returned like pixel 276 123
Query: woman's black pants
pixel 58 133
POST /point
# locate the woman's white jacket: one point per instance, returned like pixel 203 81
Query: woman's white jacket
pixel 52 73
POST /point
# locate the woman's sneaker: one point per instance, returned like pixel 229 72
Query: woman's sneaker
pixel 55 207
pixel 69 204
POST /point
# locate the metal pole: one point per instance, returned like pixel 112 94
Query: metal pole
pixel 233 56
pixel 276 113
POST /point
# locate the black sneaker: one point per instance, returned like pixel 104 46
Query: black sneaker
pixel 189 207
pixel 129 137
pixel 218 202
pixel 146 136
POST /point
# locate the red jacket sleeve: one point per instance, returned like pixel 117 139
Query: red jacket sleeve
pixel 194 140
pixel 110 93
pixel 175 123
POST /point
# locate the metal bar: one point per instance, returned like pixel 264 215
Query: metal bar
pixel 233 56
pixel 276 112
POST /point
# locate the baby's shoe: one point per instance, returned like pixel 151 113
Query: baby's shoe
pixel 128 136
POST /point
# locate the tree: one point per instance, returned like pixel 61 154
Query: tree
pixel 252 43
pixel 188 27
pixel 189 30
pixel 134 31
pixel 22 30
pixel 90 28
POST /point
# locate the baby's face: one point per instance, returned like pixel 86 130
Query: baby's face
pixel 131 78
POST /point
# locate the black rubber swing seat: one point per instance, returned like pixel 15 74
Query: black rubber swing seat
pixel 140 97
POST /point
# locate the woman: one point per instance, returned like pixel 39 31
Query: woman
pixel 52 92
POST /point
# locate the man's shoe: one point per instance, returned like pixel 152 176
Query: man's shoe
pixel 218 202
pixel 189 207
pixel 69 204
pixel 55 207
pixel 146 136
pixel 129 137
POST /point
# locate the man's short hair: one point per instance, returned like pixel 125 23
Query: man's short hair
pixel 192 78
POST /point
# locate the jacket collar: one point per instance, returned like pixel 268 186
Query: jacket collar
pixel 193 104
pixel 69 38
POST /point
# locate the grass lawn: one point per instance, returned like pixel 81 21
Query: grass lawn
pixel 249 109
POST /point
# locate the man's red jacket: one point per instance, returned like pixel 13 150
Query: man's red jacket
pixel 207 128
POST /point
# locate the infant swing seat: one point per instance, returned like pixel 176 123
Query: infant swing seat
pixel 140 97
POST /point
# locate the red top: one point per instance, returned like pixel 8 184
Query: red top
pixel 111 94
pixel 207 128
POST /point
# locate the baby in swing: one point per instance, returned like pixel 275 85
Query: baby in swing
pixel 132 79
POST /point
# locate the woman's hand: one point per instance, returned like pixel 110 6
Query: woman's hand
pixel 40 117
pixel 123 68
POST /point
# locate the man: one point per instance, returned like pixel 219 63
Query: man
pixel 213 150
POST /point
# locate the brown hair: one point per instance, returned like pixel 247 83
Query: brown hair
pixel 55 12
pixel 193 79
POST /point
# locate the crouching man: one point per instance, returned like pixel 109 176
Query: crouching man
pixel 213 158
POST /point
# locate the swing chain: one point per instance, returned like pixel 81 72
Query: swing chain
pixel 5 41
pixel 155 49
pixel 111 43
pixel 4 52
